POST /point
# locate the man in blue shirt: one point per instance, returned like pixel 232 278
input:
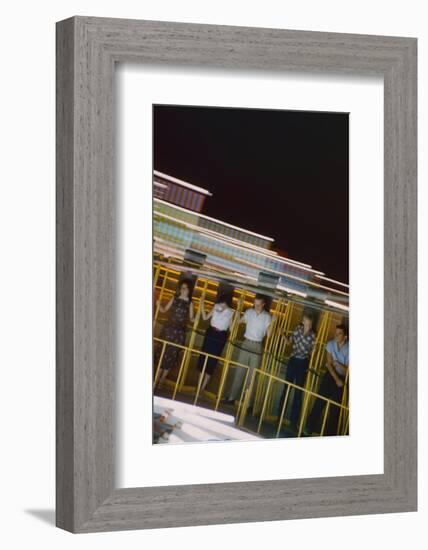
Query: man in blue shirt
pixel 333 382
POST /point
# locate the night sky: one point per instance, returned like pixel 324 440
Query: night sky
pixel 283 174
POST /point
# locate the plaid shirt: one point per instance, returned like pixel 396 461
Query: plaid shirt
pixel 302 344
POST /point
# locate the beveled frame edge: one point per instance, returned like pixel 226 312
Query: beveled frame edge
pixel 87 49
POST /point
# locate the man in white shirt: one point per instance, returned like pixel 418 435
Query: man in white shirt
pixel 257 321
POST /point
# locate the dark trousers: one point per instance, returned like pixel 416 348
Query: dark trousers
pixel 214 342
pixel 328 388
pixel 296 374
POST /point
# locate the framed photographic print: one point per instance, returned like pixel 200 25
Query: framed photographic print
pixel 236 274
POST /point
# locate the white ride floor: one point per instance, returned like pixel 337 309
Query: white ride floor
pixel 193 424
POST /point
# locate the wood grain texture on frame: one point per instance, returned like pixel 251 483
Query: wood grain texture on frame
pixel 87 50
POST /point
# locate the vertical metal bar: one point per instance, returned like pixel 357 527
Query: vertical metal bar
pixel 156 275
pixel 290 315
pixel 160 297
pixel 248 393
pixel 264 403
pixel 287 306
pixel 177 382
pixel 159 364
pixel 277 348
pixel 303 418
pixel 325 418
pixel 280 340
pixel 200 380
pixel 339 424
pixel 222 381
pixel 277 337
pixel 347 424
pixel 284 406
pixel 244 387
pixel 315 360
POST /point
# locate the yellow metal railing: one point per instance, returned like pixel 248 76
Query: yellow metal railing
pixel 187 352
pixel 247 389
pixel 274 355
pixel 344 411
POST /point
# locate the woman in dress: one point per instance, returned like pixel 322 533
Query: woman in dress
pixel 221 316
pixel 180 310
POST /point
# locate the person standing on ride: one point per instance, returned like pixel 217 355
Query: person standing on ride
pixel 257 322
pixel 221 316
pixel 333 383
pixel 180 310
pixel 303 341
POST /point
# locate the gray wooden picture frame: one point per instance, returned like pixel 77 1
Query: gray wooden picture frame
pixel 87 50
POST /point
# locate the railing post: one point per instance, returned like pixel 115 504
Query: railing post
pixel 303 415
pixel 264 404
pixel 159 364
pixel 165 277
pixel 247 395
pixel 280 346
pixel 284 407
pixel 244 387
pixel 180 370
pixel 156 276
pixel 198 389
pixel 343 402
pixel 325 418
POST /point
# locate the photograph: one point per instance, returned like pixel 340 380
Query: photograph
pixel 250 274
pixel 209 211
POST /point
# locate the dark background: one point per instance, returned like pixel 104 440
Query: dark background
pixel 283 174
